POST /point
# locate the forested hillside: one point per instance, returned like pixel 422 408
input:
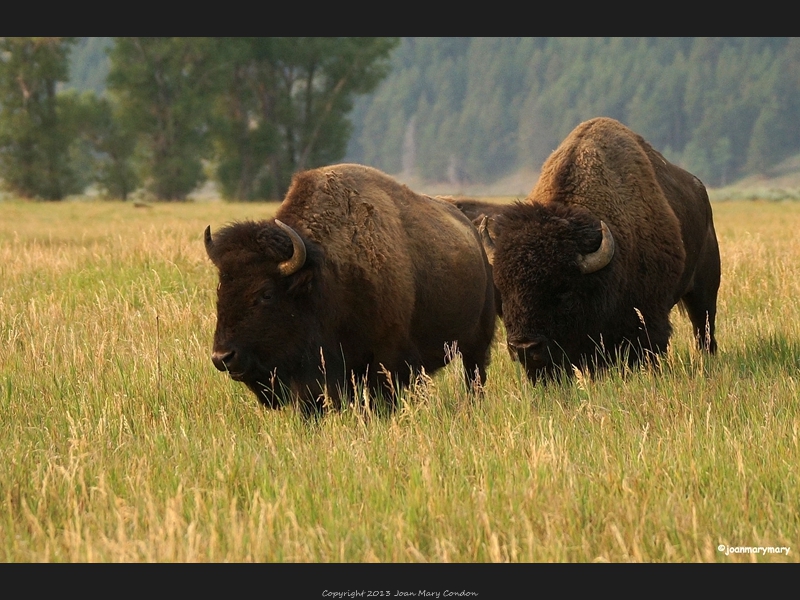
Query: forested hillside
pixel 476 109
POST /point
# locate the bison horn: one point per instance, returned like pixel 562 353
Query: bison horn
pixel 207 239
pixel 486 239
pixel 298 258
pixel 589 263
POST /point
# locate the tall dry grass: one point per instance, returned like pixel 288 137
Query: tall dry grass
pixel 121 442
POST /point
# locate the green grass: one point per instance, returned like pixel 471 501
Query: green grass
pixel 121 442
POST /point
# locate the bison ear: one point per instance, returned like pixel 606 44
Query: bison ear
pixel 209 243
pixel 486 237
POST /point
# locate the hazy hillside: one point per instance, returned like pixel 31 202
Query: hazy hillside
pixel 477 110
pixel 480 115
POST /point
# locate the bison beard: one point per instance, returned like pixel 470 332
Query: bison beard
pixel 609 240
pixel 359 281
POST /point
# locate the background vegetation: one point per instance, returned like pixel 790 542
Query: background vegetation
pixel 159 116
pixel 462 109
pixel 121 442
pixel 247 111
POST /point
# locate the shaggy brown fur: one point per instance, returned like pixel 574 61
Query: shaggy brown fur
pixel 666 252
pixel 475 210
pixel 392 277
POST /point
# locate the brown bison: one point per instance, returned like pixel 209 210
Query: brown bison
pixel 611 237
pixel 358 280
pixel 475 211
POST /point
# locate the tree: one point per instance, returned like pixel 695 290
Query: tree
pixel 162 89
pixel 109 145
pixel 37 126
pixel 761 150
pixel 243 138
pixel 283 105
pixel 776 131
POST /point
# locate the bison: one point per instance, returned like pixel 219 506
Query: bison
pixel 611 237
pixel 357 280
pixel 475 210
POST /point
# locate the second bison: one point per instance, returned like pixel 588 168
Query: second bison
pixel 611 237
pixel 357 280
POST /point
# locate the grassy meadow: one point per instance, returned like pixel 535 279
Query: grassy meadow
pixel 120 441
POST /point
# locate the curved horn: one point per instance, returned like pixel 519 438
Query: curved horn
pixel 298 258
pixel 486 239
pixel 209 242
pixel 589 263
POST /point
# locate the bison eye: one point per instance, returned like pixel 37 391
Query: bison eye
pixel 265 296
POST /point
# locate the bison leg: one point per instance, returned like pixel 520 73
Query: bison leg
pixel 701 301
pixel 475 360
pixel 391 370
pixel 474 370
pixel 475 355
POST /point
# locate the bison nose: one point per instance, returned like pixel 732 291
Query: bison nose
pixel 534 345
pixel 222 360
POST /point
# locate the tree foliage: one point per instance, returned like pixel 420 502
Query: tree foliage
pixel 111 145
pixel 282 106
pixel 162 88
pixel 721 107
pixel 250 112
pixel 256 109
pixel 37 125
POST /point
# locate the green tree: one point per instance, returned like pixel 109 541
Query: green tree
pixel 776 131
pixel 697 160
pixel 162 88
pixel 761 151
pixel 488 148
pixel 656 110
pixel 283 105
pixel 242 140
pixel 37 125
pixel 107 148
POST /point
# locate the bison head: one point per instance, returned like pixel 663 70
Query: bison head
pixel 264 304
pixel 551 267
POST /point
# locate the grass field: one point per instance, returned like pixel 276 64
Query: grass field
pixel 121 442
